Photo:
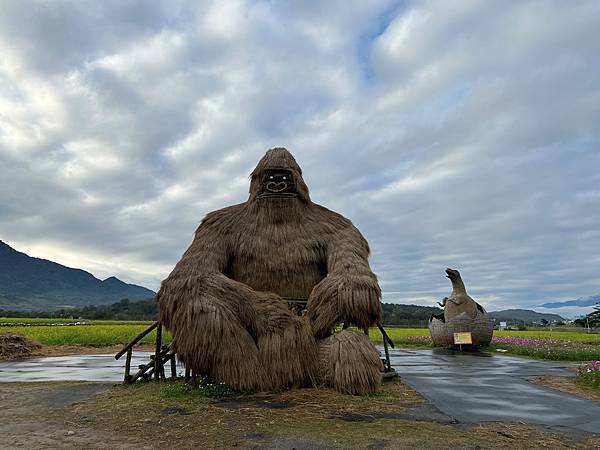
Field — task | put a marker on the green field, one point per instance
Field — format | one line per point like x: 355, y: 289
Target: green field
x: 555, y: 345
x: 42, y: 321
x: 89, y: 335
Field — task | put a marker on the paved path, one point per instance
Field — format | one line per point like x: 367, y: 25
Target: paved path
x: 467, y: 387
x: 477, y: 387
x: 70, y: 368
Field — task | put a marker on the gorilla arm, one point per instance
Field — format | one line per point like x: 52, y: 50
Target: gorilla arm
x: 349, y: 293
x: 198, y: 279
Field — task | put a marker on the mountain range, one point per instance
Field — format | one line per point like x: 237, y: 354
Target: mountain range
x: 28, y: 283
x: 581, y: 301
x: 524, y: 315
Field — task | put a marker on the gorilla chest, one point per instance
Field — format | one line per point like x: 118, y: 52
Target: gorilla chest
x: 288, y: 261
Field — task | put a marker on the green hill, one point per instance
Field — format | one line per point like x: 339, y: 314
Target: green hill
x: 524, y: 315
x: 28, y: 283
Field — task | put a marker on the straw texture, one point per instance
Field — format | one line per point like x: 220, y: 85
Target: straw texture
x: 224, y: 300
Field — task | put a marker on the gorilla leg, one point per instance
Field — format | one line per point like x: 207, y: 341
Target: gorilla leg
x: 349, y: 363
x: 247, y: 339
x: 210, y: 340
x: 287, y: 349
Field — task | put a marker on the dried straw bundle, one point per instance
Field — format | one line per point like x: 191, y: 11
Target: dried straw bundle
x: 349, y: 363
x: 14, y: 345
x: 224, y: 300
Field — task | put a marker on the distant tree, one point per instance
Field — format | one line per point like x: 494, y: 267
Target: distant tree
x: 592, y: 320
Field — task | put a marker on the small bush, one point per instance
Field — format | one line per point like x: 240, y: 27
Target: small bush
x: 589, y: 374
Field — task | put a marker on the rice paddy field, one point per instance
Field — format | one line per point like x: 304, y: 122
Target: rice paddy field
x: 28, y: 321
x: 543, y: 344
x: 94, y: 335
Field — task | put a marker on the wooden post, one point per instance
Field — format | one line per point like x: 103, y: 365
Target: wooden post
x: 387, y: 355
x: 385, y: 348
x: 128, y: 366
x: 157, y: 358
x: 173, y: 367
x: 187, y: 374
x: 385, y: 335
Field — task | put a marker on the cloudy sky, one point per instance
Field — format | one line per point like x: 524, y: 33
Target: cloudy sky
x: 455, y: 133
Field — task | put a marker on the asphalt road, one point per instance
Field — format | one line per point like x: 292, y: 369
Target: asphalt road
x: 479, y: 387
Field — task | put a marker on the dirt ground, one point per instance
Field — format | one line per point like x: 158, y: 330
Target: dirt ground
x: 148, y: 416
x: 568, y: 384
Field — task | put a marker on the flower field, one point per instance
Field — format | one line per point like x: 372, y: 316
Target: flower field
x: 553, y: 345
x: 548, y: 348
x: 589, y: 374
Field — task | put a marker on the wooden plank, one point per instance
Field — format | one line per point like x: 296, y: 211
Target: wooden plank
x: 136, y: 339
x: 173, y: 367
x: 385, y: 336
x: 157, y: 358
x: 128, y: 366
x: 387, y: 356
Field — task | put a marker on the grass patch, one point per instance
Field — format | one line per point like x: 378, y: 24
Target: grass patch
x: 405, y: 337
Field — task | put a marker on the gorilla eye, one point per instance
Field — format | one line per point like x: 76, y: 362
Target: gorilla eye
x: 271, y: 177
x: 284, y: 178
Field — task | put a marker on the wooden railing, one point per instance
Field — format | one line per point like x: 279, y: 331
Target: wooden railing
x: 156, y: 367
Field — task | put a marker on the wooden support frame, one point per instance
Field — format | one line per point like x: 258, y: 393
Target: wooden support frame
x: 156, y: 367
x: 386, y: 341
x: 157, y: 358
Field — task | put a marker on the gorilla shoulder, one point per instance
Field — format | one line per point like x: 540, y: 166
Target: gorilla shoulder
x: 332, y: 217
x: 221, y: 217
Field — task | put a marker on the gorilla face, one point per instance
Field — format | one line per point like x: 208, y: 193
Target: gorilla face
x: 278, y: 177
x: 278, y: 183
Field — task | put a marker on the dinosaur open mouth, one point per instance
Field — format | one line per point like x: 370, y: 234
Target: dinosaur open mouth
x: 451, y: 273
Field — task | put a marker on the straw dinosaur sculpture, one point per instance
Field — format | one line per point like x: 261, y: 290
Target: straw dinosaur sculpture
x: 461, y: 314
x: 225, y: 300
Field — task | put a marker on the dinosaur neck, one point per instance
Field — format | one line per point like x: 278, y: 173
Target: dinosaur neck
x: 458, y: 287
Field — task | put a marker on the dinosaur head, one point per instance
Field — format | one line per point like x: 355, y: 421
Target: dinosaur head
x: 452, y: 274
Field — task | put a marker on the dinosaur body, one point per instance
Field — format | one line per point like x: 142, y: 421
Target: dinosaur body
x: 459, y: 301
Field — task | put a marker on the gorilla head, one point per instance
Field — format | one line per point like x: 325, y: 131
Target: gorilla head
x: 278, y: 176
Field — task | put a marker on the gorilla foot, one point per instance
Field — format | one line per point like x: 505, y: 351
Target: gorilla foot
x: 349, y: 363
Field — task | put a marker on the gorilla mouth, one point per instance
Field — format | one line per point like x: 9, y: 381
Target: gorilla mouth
x: 269, y: 194
x: 276, y: 187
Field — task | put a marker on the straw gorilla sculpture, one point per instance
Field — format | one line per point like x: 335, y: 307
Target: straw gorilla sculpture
x: 225, y: 300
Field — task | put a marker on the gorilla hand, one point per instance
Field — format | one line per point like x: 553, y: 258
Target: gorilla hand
x: 352, y: 299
